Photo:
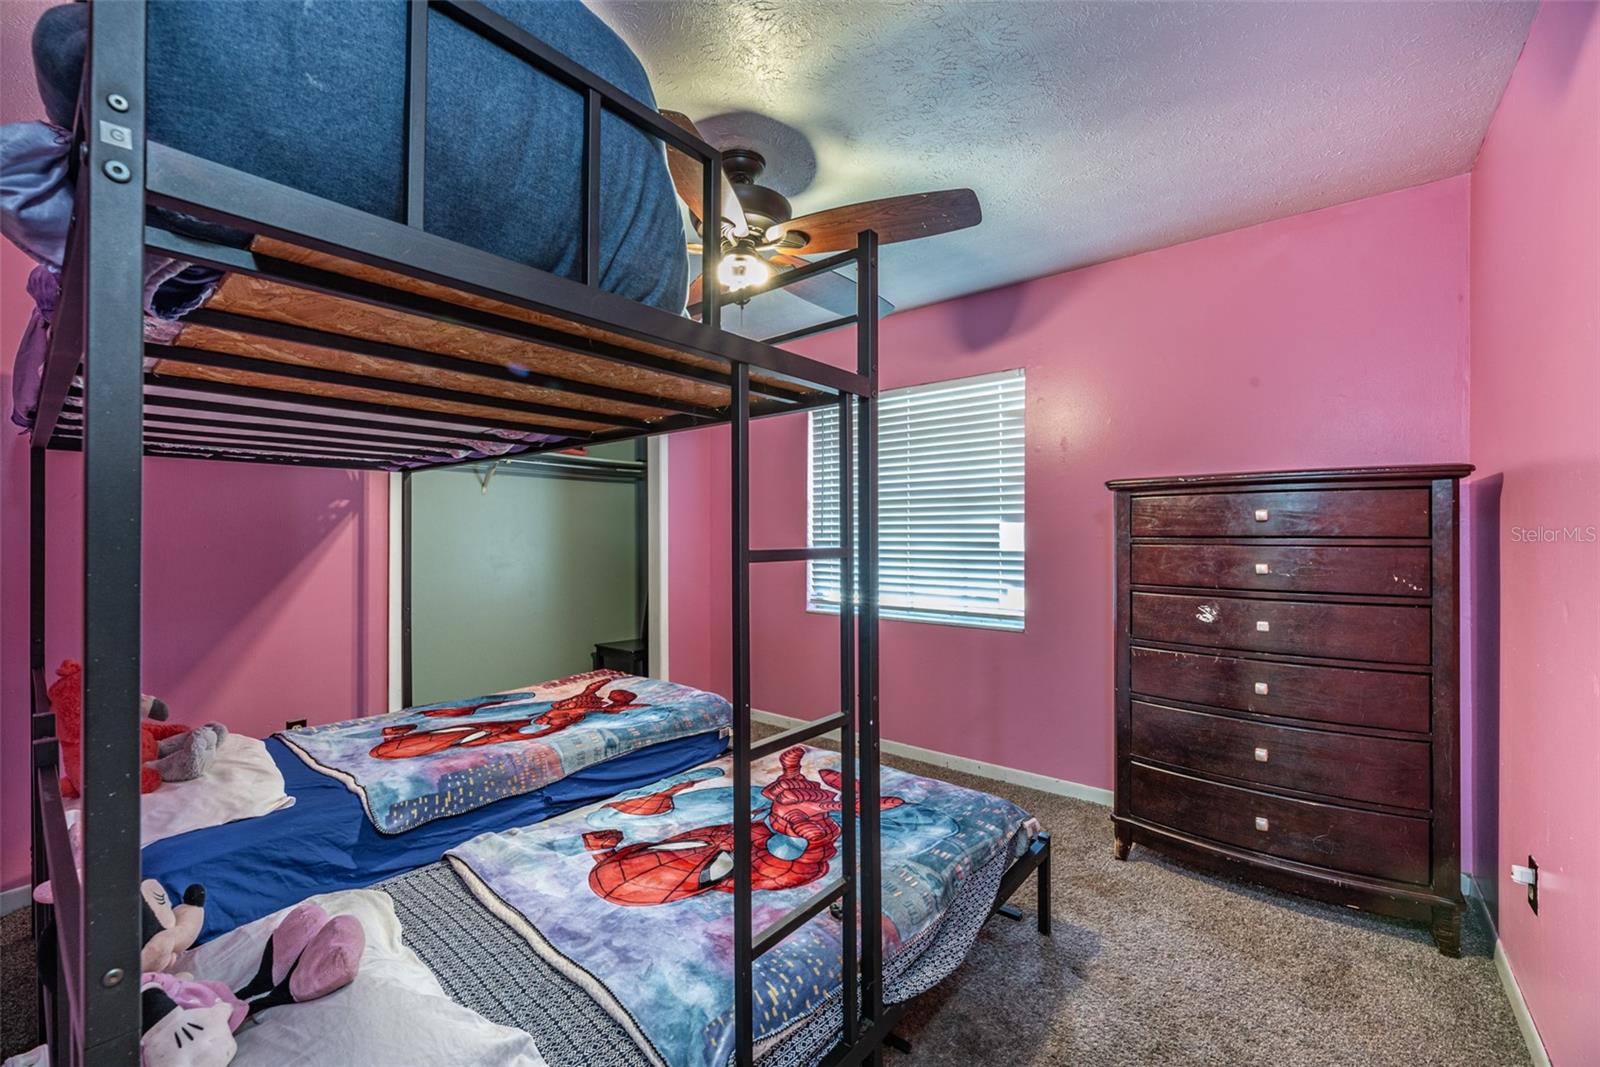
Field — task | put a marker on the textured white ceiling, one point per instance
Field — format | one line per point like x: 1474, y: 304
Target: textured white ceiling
x: 1089, y: 130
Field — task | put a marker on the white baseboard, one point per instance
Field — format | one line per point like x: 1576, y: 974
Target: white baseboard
x: 1508, y: 981
x: 16, y: 897
x: 1028, y: 779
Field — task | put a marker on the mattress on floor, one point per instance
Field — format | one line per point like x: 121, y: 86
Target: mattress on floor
x: 437, y: 760
x: 324, y: 842
x: 607, y: 932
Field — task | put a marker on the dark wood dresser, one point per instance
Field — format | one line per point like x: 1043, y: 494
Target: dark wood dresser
x: 1287, y: 684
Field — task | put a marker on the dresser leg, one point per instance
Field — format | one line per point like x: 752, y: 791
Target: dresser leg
x: 1447, y: 931
x: 1124, y: 841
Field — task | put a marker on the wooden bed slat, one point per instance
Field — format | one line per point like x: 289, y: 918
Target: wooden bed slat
x: 213, y: 340
x: 375, y: 395
x: 263, y: 299
x: 268, y: 246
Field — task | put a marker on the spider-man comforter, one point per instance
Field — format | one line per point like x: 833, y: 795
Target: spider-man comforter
x: 632, y: 898
x: 428, y: 762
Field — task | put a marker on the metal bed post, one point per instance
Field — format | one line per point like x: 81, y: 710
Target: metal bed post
x: 743, y: 934
x: 41, y: 732
x: 867, y: 634
x: 849, y: 973
x: 416, y: 200
x: 416, y: 110
x: 105, y: 934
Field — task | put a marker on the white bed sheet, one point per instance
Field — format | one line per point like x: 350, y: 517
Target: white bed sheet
x: 395, y: 1012
x: 241, y: 783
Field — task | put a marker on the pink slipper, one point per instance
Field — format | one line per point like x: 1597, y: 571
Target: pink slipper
x: 285, y: 947
x: 328, y: 964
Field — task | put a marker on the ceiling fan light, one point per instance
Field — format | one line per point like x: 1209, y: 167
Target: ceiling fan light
x: 740, y: 270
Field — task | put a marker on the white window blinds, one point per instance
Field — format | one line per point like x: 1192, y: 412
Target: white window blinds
x: 950, y: 502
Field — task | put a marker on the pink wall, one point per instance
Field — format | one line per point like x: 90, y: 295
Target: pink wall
x: 1333, y: 338
x: 265, y: 591
x: 1536, y: 440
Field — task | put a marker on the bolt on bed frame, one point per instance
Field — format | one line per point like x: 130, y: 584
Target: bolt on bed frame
x: 90, y: 1009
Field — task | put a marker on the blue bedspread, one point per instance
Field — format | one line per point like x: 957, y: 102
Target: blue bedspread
x: 437, y: 760
x: 633, y: 899
x: 325, y: 842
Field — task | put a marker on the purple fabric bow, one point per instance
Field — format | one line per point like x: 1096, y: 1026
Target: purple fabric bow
x: 44, y: 285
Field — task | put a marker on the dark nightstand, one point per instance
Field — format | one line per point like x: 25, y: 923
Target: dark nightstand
x: 631, y: 656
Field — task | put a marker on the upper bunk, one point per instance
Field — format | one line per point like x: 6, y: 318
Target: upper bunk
x: 339, y: 338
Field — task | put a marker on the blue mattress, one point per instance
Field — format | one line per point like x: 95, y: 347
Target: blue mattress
x: 312, y: 95
x: 325, y: 842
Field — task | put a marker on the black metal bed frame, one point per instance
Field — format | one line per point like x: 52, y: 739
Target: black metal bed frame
x: 90, y: 1012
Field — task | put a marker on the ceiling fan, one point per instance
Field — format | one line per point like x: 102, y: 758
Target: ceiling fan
x: 761, y: 237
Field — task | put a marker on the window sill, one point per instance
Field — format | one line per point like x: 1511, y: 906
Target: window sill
x: 964, y: 624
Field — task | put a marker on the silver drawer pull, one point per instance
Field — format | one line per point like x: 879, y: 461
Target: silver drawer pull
x: 1263, y: 626
x: 1261, y: 755
x: 1262, y: 515
x: 1263, y: 568
x: 1262, y: 824
x: 1261, y: 689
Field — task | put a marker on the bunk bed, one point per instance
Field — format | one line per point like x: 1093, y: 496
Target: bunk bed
x: 345, y: 319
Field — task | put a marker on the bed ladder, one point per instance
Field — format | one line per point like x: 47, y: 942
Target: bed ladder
x: 858, y: 893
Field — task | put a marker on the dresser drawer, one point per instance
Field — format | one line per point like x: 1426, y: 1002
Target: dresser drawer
x: 1338, y: 631
x: 1381, y: 699
x: 1377, y: 570
x: 1394, y: 847
x: 1307, y: 513
x: 1371, y: 769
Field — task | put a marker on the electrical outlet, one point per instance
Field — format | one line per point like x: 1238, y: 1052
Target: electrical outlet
x: 1528, y: 876
x: 295, y: 724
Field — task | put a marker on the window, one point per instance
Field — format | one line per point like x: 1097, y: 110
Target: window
x: 950, y: 509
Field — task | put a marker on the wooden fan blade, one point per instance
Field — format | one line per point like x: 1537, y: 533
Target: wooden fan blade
x: 688, y: 177
x: 829, y: 291
x: 895, y: 218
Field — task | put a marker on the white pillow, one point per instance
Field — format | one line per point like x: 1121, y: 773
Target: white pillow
x: 395, y: 1012
x: 241, y: 783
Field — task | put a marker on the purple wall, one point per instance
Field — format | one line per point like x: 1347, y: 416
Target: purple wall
x: 1536, y: 440
x: 1333, y: 338
x: 264, y: 591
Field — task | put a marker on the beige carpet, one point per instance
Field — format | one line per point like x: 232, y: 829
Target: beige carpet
x: 1153, y: 964
x: 1150, y: 964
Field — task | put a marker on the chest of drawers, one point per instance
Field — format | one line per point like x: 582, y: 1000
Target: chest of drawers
x: 1287, y: 682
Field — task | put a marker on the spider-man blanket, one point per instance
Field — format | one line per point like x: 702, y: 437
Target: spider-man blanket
x: 444, y: 759
x: 632, y: 898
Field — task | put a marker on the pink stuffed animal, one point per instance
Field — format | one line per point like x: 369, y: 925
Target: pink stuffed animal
x: 169, y: 930
x: 191, y: 1023
x: 188, y: 1023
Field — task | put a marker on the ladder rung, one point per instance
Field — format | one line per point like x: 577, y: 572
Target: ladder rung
x: 793, y: 555
x: 805, y: 732
x: 798, y: 917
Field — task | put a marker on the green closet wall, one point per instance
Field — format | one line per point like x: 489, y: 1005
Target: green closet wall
x: 516, y: 584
